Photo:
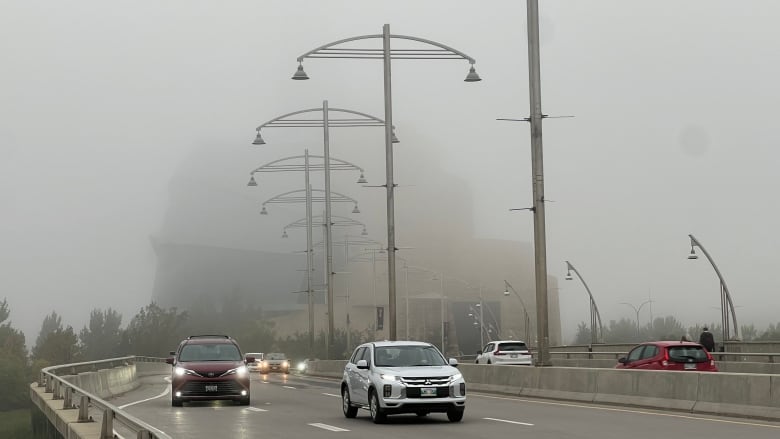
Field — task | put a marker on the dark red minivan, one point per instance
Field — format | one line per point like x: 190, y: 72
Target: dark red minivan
x: 209, y: 367
x: 668, y: 355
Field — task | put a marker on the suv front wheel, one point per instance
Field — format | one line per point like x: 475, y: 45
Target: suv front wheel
x: 350, y: 411
x: 377, y: 414
x: 455, y: 415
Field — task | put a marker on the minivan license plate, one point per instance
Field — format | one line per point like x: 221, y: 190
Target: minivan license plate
x: 428, y: 391
x: 212, y: 388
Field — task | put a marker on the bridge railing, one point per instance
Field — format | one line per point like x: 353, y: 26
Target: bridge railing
x: 55, y: 380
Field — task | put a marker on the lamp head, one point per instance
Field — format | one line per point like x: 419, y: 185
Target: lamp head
x: 362, y: 179
x: 692, y: 254
x: 263, y: 211
x: 259, y: 139
x: 506, y: 292
x: 252, y: 181
x: 568, y: 276
x: 472, y: 75
x: 356, y: 210
x: 364, y: 232
x: 300, y: 75
x: 393, y: 138
x: 284, y: 235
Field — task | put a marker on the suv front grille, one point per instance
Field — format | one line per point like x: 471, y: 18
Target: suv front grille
x: 426, y: 381
x: 198, y: 388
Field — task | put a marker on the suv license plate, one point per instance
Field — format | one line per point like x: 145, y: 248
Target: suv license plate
x: 690, y: 366
x: 428, y: 391
x: 211, y: 388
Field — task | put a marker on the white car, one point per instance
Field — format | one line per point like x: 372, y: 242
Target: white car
x: 391, y: 377
x: 505, y: 352
x: 255, y: 366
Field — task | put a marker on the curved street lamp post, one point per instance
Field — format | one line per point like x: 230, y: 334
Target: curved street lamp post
x: 342, y: 118
x: 308, y: 199
x: 386, y: 54
x: 726, y: 304
x: 526, y: 318
x: 595, y: 317
x: 636, y: 310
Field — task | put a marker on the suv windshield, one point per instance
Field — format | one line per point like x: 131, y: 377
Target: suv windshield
x: 275, y: 356
x: 407, y: 356
x: 209, y: 352
x: 687, y: 353
x: 512, y: 347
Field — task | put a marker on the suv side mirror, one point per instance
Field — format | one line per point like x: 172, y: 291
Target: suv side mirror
x: 169, y: 360
x: 479, y: 352
x: 172, y: 353
x: 453, y: 362
x: 362, y: 364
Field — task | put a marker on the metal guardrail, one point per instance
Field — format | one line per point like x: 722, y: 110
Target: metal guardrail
x: 51, y: 379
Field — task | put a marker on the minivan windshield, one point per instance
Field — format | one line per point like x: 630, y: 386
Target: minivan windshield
x: 210, y: 352
x: 407, y: 356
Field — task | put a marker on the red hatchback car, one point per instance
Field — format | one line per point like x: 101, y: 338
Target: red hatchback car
x: 668, y: 355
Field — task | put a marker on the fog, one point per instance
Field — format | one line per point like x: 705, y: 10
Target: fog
x: 119, y: 116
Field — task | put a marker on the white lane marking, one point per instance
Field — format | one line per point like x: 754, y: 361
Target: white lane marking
x: 165, y: 392
x: 509, y: 422
x: 330, y: 394
x: 289, y: 387
x: 255, y: 409
x: 610, y: 409
x: 328, y: 427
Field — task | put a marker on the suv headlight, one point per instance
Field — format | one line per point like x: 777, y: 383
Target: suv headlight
x: 389, y: 377
x: 239, y: 371
x: 456, y: 377
x: 180, y: 371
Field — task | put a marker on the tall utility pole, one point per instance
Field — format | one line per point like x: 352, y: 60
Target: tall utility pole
x: 537, y: 169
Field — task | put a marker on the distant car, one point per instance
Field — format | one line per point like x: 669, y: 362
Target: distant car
x: 275, y: 362
x: 392, y: 377
x: 669, y: 355
x: 505, y: 352
x: 209, y: 367
x: 255, y: 365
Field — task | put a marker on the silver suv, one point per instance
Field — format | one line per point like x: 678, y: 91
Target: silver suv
x: 390, y: 377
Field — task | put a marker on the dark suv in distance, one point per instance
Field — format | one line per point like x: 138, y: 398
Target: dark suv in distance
x: 209, y: 367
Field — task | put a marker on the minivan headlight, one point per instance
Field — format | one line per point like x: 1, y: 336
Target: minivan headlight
x: 239, y: 371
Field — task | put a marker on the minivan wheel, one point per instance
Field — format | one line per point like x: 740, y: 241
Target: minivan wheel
x: 455, y: 415
x: 346, y: 404
x: 176, y: 402
x: 244, y: 400
x: 377, y: 414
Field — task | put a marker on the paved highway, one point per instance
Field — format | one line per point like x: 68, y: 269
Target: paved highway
x: 303, y: 407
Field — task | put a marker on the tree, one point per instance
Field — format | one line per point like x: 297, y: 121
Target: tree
x: 14, y: 369
x: 51, y: 323
x: 60, y: 346
x: 154, y: 331
x: 583, y: 334
x: 104, y: 335
x: 622, y: 331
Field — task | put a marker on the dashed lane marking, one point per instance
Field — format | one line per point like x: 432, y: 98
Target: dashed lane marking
x: 289, y: 387
x: 509, y: 422
x: 328, y: 427
x: 255, y: 409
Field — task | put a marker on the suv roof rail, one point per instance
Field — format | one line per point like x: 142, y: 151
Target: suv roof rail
x: 208, y: 336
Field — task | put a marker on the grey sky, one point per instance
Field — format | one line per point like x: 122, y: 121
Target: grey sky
x: 103, y: 104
